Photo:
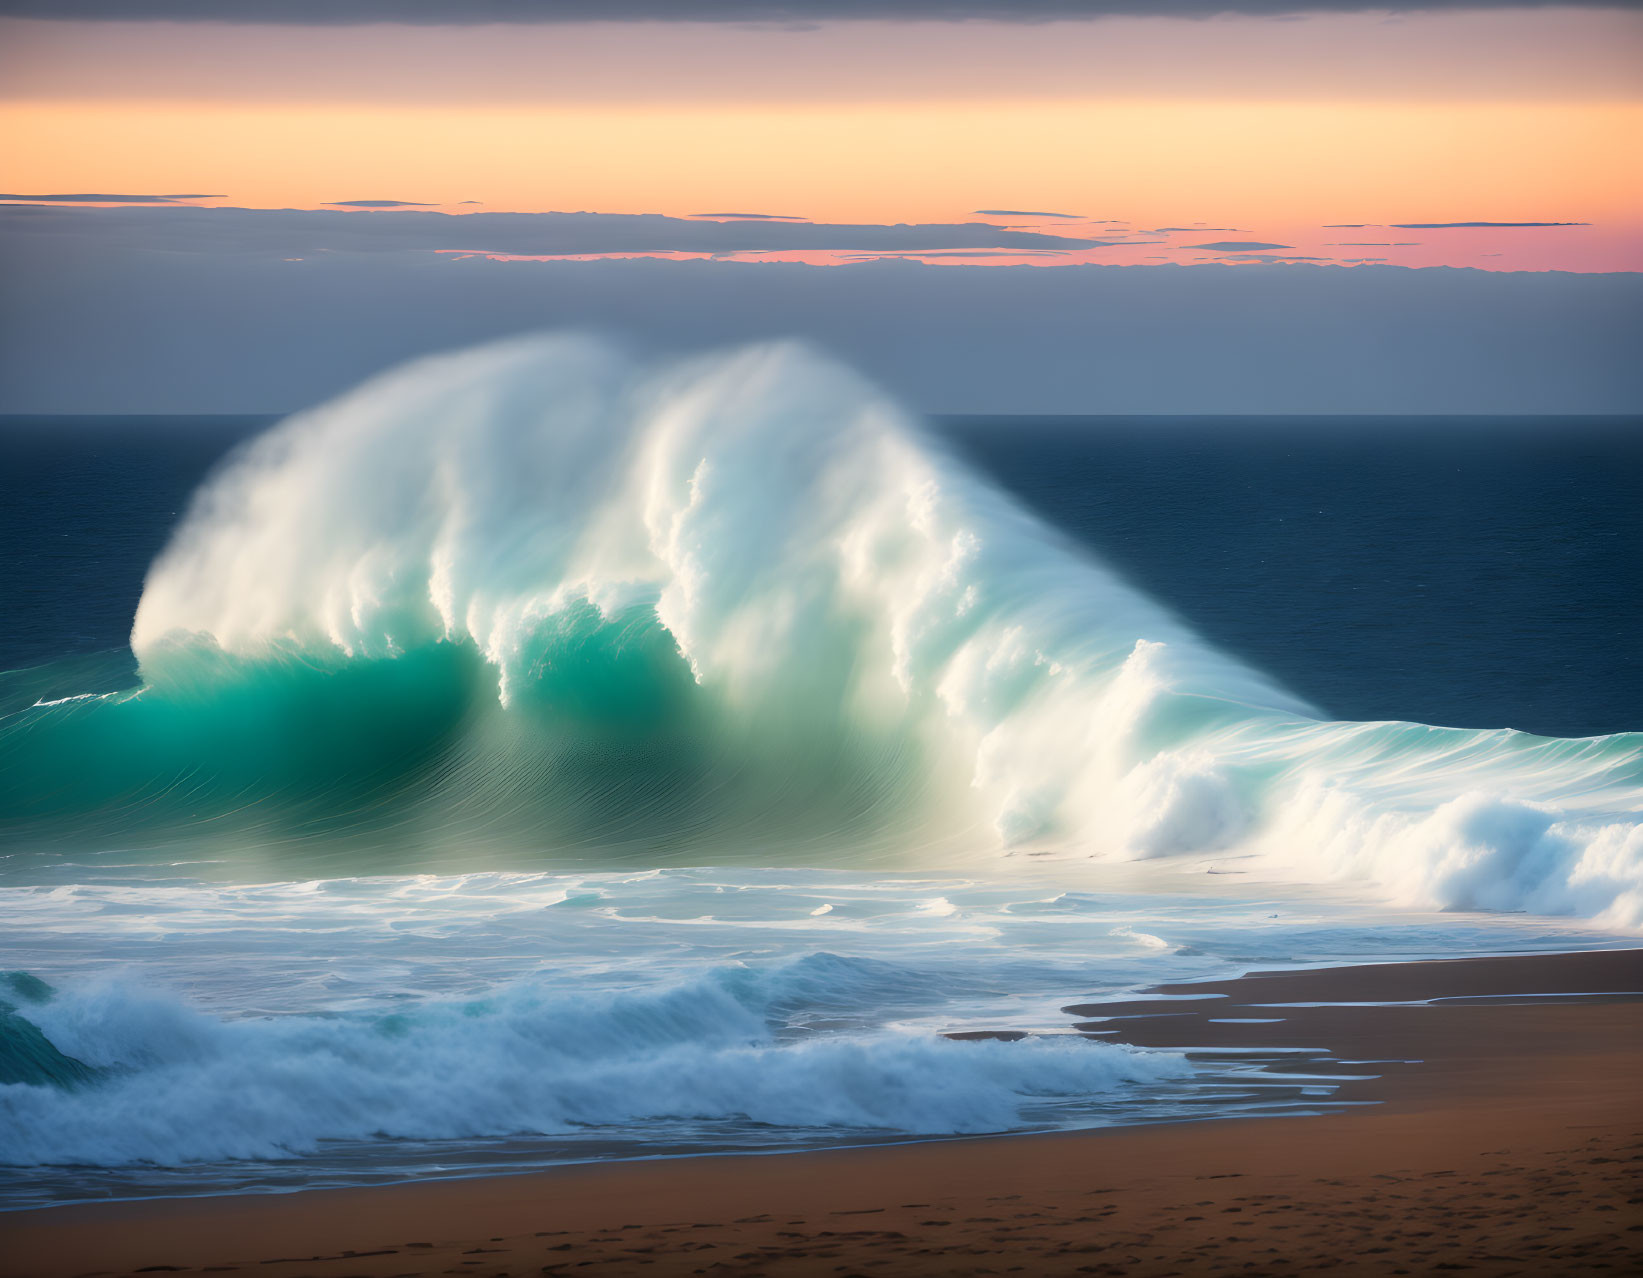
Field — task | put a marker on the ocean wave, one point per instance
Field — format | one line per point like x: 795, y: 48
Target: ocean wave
x: 541, y: 600
x: 172, y: 1085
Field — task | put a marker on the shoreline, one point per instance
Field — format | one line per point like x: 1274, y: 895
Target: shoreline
x: 1504, y: 1134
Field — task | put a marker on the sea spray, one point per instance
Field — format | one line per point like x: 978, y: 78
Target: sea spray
x: 543, y: 603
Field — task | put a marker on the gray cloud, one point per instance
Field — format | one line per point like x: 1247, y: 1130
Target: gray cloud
x: 107, y: 199
x: 1024, y: 213
x: 964, y: 253
x: 303, y: 232
x: 1457, y: 226
x: 377, y: 204
x: 1194, y: 230
x: 100, y: 328
x: 754, y: 217
x: 1235, y: 246
x: 1274, y: 259
x: 464, y: 12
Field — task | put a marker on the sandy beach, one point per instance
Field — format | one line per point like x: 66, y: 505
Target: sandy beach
x: 1505, y: 1137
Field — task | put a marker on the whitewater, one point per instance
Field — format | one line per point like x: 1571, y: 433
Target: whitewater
x: 544, y: 752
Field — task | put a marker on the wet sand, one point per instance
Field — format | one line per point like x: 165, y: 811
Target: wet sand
x: 1505, y: 1137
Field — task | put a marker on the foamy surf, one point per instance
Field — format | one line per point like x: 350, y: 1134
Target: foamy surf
x: 205, y: 1036
x: 536, y: 1060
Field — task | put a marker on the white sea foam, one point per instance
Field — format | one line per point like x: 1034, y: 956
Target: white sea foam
x: 581, y: 1015
x: 184, y: 1087
x: 840, y: 588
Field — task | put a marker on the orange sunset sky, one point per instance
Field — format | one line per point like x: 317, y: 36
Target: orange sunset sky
x: 1239, y: 130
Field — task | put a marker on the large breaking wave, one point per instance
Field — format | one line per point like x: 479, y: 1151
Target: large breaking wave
x: 540, y: 600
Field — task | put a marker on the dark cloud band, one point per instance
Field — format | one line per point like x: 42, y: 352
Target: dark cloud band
x: 752, y: 217
x: 1441, y: 226
x: 473, y: 12
x: 88, y: 198
x: 1469, y: 226
x: 287, y: 232
x: 130, y: 331
x: 1025, y: 213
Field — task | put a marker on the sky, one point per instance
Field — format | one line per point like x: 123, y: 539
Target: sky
x: 177, y: 142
